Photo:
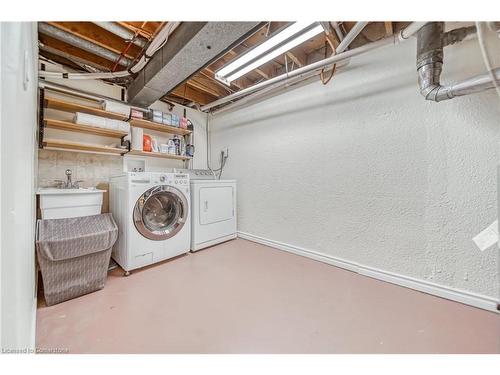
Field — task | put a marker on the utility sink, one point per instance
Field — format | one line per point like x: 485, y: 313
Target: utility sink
x: 57, y: 203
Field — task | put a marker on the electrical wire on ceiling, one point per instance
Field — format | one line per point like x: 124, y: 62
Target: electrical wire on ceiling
x: 334, y: 68
x: 157, y: 43
x: 328, y: 31
x: 130, y: 42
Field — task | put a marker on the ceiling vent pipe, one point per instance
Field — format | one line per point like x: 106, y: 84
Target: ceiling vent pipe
x: 430, y: 59
x: 52, y: 31
x: 122, y: 32
x: 431, y: 39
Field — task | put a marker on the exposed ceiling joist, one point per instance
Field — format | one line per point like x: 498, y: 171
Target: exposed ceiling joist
x: 298, y: 57
x: 389, y: 30
x: 191, y: 94
x: 146, y: 29
x: 209, y: 86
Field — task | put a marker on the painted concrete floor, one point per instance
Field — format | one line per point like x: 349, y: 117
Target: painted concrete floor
x: 242, y: 297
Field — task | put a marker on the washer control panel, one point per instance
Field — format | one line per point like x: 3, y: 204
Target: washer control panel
x: 198, y: 174
x: 174, y: 179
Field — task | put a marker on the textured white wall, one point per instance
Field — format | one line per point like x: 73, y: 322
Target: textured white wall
x: 366, y: 170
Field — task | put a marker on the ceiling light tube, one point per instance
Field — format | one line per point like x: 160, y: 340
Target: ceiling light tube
x: 277, y: 52
x: 264, y: 52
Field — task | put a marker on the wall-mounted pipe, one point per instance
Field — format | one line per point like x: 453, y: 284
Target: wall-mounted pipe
x: 469, y: 86
x: 430, y: 43
x: 393, y: 39
x: 122, y: 32
x: 45, y: 28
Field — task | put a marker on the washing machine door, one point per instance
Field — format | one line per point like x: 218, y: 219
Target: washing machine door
x: 160, y: 212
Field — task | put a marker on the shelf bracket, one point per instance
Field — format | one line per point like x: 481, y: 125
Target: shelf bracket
x: 127, y: 143
x: 41, y: 124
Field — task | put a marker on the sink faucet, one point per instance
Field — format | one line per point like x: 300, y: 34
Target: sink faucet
x: 69, y: 184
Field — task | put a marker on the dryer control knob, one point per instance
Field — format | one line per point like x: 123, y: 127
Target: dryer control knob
x: 162, y: 178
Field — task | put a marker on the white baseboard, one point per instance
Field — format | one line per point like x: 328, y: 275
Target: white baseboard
x: 462, y: 296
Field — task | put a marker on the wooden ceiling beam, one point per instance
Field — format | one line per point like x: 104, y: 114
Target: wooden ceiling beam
x: 94, y: 34
x: 147, y: 31
x: 191, y: 94
x: 389, y: 30
x: 201, y: 83
x: 330, y: 35
x: 74, y: 51
x: 298, y: 57
x: 149, y: 26
x: 204, y: 74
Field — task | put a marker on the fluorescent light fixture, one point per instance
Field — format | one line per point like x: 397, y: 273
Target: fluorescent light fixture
x: 278, y: 44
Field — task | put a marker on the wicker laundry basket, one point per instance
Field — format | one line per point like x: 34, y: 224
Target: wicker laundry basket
x: 74, y: 254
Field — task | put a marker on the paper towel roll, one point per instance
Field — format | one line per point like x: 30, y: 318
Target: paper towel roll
x: 137, y: 139
x: 89, y: 120
x: 115, y: 107
x: 117, y: 125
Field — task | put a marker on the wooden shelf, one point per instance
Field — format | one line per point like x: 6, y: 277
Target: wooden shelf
x: 60, y: 144
x: 65, y: 106
x: 69, y: 126
x: 145, y: 124
x: 158, y: 155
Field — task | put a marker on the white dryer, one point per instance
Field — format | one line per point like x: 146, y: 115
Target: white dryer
x: 152, y: 211
x: 213, y: 209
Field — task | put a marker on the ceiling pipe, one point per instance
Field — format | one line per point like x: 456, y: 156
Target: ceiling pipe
x: 393, y: 39
x: 337, y: 29
x: 122, y: 32
x: 76, y: 60
x: 277, y: 87
x: 351, y: 35
x: 45, y: 28
x: 158, y: 42
x: 471, y: 85
x: 411, y: 29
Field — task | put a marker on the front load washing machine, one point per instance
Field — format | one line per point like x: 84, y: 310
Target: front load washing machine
x: 152, y: 211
